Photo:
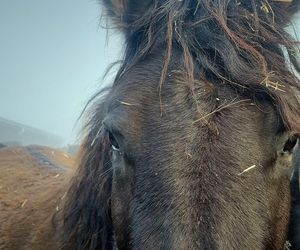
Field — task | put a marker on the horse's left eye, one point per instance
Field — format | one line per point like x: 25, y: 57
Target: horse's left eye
x: 290, y: 144
x: 113, y: 142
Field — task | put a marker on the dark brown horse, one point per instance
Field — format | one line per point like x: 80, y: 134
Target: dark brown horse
x: 191, y: 147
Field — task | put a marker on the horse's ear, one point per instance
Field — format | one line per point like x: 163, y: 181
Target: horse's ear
x: 284, y: 10
x: 125, y: 12
x: 87, y: 211
x: 292, y: 7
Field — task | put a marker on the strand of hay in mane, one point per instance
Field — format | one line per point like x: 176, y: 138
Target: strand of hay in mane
x: 232, y: 103
x: 247, y: 169
x: 96, y: 136
x: 127, y: 103
x: 273, y: 84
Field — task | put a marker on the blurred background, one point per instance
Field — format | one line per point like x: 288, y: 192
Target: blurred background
x: 53, y: 55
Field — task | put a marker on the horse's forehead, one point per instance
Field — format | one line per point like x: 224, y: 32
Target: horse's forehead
x: 136, y: 90
x: 141, y: 104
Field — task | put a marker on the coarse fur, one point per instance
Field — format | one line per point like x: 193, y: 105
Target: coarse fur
x: 191, y: 147
x: 33, y: 183
x: 294, y: 227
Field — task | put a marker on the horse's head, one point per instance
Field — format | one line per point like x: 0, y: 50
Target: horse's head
x: 191, y: 147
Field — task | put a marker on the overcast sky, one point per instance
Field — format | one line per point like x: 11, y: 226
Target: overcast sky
x: 52, y: 57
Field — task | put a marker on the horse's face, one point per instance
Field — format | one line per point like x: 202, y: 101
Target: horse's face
x: 180, y: 178
x: 191, y: 148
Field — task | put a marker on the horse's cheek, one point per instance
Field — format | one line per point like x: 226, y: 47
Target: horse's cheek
x: 121, y: 195
x: 281, y: 214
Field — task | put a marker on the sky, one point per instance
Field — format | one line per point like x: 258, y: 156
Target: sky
x: 53, y: 55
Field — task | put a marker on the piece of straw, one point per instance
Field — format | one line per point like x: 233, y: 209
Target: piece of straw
x: 247, y: 169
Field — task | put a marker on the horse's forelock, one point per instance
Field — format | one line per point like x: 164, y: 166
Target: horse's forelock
x: 242, y: 43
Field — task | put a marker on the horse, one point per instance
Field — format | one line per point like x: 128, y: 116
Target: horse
x: 192, y: 145
x: 294, y: 227
x: 32, y: 185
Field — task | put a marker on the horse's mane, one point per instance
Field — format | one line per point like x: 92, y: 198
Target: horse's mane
x: 243, y: 43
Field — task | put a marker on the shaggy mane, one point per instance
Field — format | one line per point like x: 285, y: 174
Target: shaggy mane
x: 239, y: 42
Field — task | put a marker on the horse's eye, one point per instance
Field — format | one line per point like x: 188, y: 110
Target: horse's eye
x: 290, y: 145
x: 113, y: 142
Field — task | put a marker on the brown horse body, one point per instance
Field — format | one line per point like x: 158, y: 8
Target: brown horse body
x: 32, y: 184
x: 191, y: 147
